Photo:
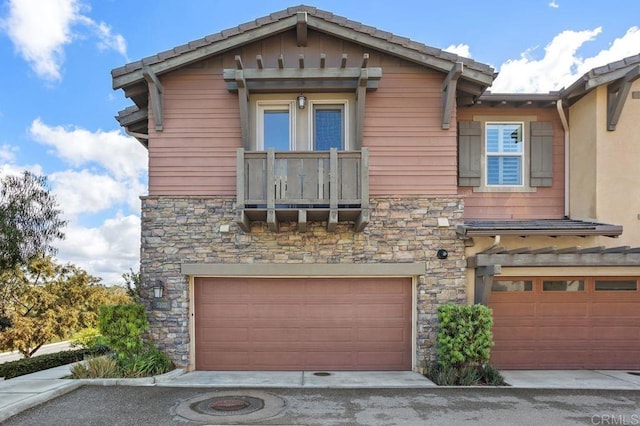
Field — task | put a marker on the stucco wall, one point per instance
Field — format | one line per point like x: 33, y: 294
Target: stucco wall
x: 604, y: 165
x: 178, y: 230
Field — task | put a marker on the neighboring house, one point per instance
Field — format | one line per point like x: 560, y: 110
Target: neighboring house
x: 318, y: 187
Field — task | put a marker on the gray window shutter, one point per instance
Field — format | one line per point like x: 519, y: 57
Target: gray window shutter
x: 541, y: 163
x: 469, y: 153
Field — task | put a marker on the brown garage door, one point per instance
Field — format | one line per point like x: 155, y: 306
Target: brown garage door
x: 303, y: 324
x: 560, y: 323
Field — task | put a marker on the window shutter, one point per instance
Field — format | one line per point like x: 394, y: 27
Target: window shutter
x: 469, y: 153
x: 541, y: 153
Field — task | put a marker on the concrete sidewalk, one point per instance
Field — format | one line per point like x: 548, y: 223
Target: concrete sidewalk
x: 24, y: 392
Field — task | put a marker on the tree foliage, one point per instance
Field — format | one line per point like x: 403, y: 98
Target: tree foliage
x: 132, y: 284
x: 44, y: 301
x: 29, y: 219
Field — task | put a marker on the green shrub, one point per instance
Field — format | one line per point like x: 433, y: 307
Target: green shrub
x: 464, y: 335
x: 12, y: 369
x: 122, y: 327
x: 87, y: 338
x: 149, y: 362
x: 470, y: 375
x: 96, y: 368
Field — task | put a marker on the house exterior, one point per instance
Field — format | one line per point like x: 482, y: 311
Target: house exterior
x: 318, y: 187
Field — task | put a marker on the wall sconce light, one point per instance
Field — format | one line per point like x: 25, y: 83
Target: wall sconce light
x: 442, y: 254
x: 301, y: 101
x: 158, y: 289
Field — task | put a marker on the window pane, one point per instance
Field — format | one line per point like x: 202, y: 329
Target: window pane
x: 614, y: 285
x: 328, y: 128
x: 504, y: 170
x: 571, y: 285
x: 504, y: 138
x: 512, y: 286
x: 276, y: 130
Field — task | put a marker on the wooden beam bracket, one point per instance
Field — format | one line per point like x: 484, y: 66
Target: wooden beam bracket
x: 301, y: 28
x: 156, y: 91
x: 449, y: 93
x: 617, y: 93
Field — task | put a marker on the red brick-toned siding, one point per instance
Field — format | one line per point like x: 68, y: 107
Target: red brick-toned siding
x: 410, y: 154
x: 545, y: 203
x: 195, y: 153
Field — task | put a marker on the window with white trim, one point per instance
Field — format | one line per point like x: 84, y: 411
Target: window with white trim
x: 275, y: 125
x: 323, y: 124
x: 504, y: 153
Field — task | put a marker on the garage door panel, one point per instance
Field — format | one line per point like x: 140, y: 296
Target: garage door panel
x: 514, y: 310
x: 617, y: 309
x: 564, y: 309
x: 381, y: 334
x: 562, y: 333
x: 304, y: 324
x: 333, y: 334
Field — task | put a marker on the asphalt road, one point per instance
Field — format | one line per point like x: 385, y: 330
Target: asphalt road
x: 117, y: 405
x: 46, y: 349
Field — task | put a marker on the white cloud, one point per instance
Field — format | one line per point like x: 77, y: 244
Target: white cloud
x: 7, y: 154
x: 554, y: 4
x: 561, y: 64
x: 460, y: 49
x: 86, y: 192
x: 40, y: 29
x: 106, y: 251
x: 121, y: 155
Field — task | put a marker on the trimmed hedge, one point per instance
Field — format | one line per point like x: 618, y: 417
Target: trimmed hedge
x: 464, y: 335
x: 12, y: 369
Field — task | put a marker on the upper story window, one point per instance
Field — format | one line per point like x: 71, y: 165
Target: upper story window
x: 323, y: 124
x: 275, y: 126
x: 504, y: 153
x: 328, y: 126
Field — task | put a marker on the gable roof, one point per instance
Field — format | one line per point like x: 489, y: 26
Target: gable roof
x: 606, y: 74
x: 317, y: 19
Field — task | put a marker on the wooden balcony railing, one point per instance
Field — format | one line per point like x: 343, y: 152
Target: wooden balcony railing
x: 302, y: 186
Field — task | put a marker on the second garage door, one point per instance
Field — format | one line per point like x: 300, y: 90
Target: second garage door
x: 303, y: 324
x: 560, y: 323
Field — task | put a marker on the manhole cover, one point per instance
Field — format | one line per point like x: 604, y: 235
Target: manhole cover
x: 230, y: 407
x: 322, y: 374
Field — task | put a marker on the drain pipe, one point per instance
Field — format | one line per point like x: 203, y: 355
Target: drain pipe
x: 565, y: 126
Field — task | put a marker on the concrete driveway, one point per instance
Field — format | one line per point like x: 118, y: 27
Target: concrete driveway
x: 116, y: 405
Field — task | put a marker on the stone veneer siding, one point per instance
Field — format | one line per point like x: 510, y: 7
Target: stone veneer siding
x: 178, y: 230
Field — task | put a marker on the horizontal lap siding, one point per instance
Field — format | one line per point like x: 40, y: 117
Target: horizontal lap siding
x: 195, y: 154
x: 545, y: 203
x: 409, y: 153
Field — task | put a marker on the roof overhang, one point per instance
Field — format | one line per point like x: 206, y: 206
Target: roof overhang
x: 518, y: 100
x: 539, y: 227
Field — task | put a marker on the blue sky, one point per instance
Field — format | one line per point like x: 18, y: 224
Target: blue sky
x: 57, y: 105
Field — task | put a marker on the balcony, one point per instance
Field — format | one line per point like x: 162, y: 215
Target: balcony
x: 303, y: 186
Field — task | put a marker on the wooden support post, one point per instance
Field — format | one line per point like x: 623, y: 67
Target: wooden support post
x: 301, y: 61
x: 362, y: 221
x: 484, y: 282
x: 364, y: 178
x: 323, y: 59
x: 243, y: 104
x: 333, y: 190
x: 361, y: 95
x: 272, y: 220
x: 259, y: 62
x: 365, y: 60
x: 281, y: 61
